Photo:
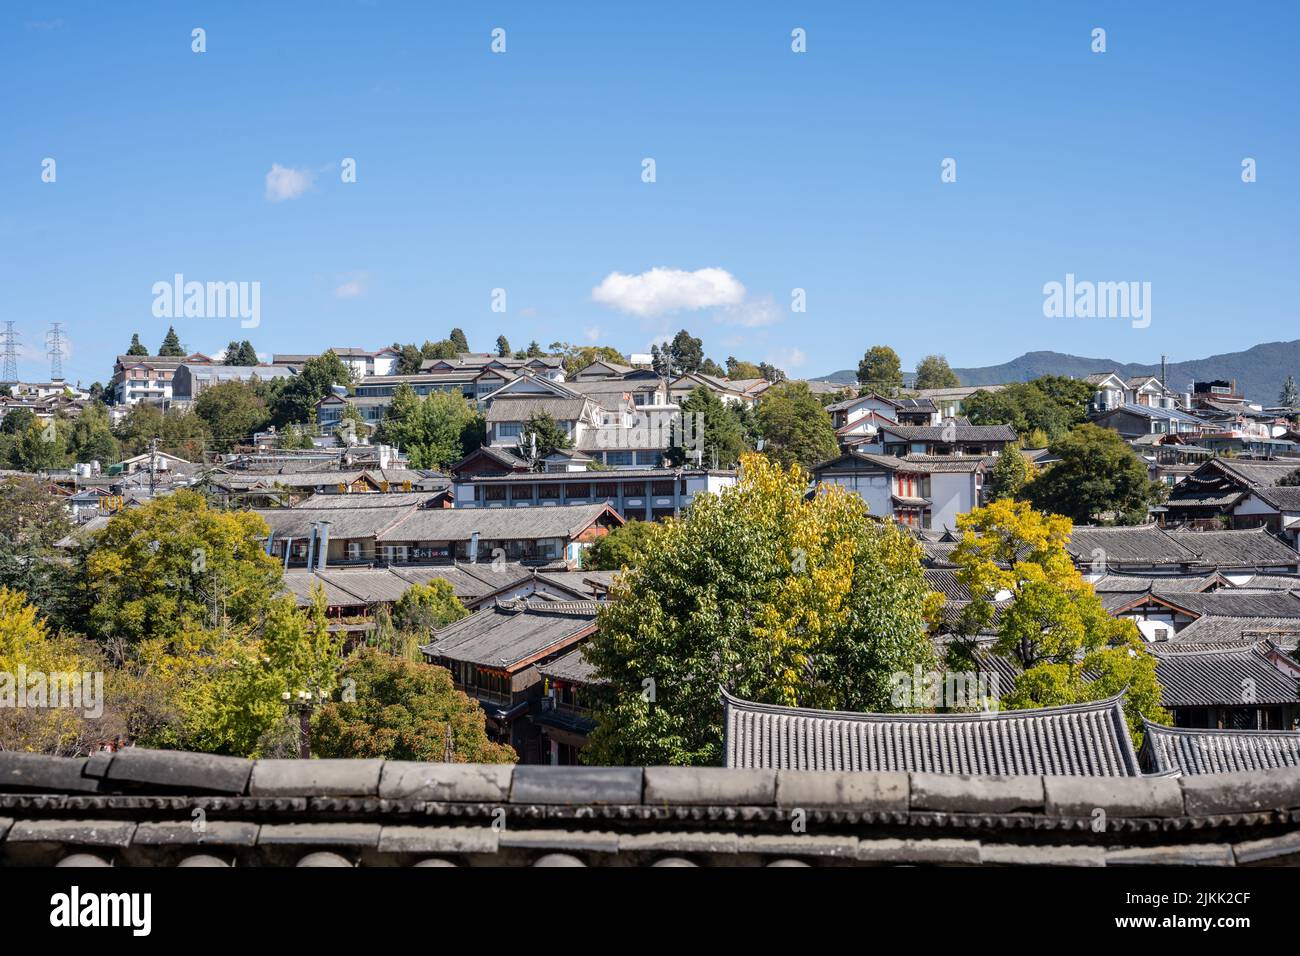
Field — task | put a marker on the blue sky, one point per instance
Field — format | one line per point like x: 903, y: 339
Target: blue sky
x: 523, y: 171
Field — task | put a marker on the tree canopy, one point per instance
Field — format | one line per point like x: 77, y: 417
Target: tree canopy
x: 777, y: 597
x: 794, y: 426
x: 1098, y: 478
x: 933, y: 371
x: 1054, y: 627
x: 403, y: 710
x: 880, y: 371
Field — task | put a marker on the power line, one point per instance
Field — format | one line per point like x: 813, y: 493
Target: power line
x: 10, y: 371
x: 54, y: 339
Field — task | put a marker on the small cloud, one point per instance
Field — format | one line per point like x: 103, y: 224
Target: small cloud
x: 752, y: 313
x: 353, y: 288
x: 593, y: 333
x: 660, y: 291
x: 284, y: 182
x: 787, y: 358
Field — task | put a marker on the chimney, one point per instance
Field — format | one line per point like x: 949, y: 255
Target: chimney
x: 323, y: 546
x: 311, y: 545
x: 473, y: 548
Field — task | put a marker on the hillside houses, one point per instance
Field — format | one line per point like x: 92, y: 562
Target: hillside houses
x: 920, y: 491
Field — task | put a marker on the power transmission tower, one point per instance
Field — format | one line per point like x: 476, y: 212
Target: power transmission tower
x: 54, y: 340
x: 10, y: 353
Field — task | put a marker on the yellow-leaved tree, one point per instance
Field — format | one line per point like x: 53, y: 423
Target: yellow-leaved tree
x: 774, y: 594
x: 1049, y: 621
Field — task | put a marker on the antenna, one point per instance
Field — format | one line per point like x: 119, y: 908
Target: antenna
x: 54, y: 339
x: 9, y: 376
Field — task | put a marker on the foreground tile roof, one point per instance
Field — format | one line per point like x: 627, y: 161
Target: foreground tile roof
x: 1199, y: 751
x: 161, y: 808
x: 1079, y: 740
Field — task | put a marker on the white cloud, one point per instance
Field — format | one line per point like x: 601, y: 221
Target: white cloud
x: 284, y: 182
x: 787, y: 358
x: 660, y: 291
x: 593, y: 333
x: 752, y: 313
x: 353, y: 288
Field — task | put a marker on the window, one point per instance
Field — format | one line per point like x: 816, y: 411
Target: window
x: 577, y: 491
x: 618, y: 458
x: 521, y: 493
x: 662, y: 488
x: 605, y: 489
x: 549, y: 492
x: 494, y: 493
x: 509, y: 429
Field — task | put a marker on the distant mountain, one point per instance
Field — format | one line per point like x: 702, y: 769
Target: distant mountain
x: 1259, y: 371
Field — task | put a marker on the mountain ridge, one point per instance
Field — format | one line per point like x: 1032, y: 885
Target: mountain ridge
x: 1259, y: 371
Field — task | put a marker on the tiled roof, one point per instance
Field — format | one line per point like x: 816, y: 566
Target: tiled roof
x: 949, y: 433
x: 1136, y: 544
x: 1195, y: 676
x: 1192, y: 751
x: 1079, y: 740
x: 573, y: 667
x: 510, y: 633
x: 1245, y: 547
x: 1237, y: 603
x: 1214, y: 628
x: 1115, y: 582
x: 511, y: 408
x: 496, y: 524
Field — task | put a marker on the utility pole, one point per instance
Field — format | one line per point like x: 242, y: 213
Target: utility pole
x: 153, y: 466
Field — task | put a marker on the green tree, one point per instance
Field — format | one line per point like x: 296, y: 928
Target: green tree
x: 172, y: 564
x: 296, y: 404
x: 240, y: 353
x: 578, y: 357
x: 737, y: 368
x: 435, y: 432
x: 1011, y: 472
x: 41, y: 446
x: 352, y: 426
x: 232, y: 412
x: 403, y: 710
x: 91, y: 437
x: 776, y: 596
x: 171, y: 345
x: 1052, y: 404
x: 708, y: 425
x: 1097, y: 478
x: 542, y: 436
x: 424, y: 608
x: 503, y: 347
x: 534, y: 350
x: 1054, y: 627
x: 178, y: 433
x: 31, y: 521
x: 880, y: 371
x: 795, y: 426
x: 457, y: 338
x: 710, y: 367
x: 1289, y: 397
x: 135, y: 348
x: 621, y: 547
x: 933, y: 371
